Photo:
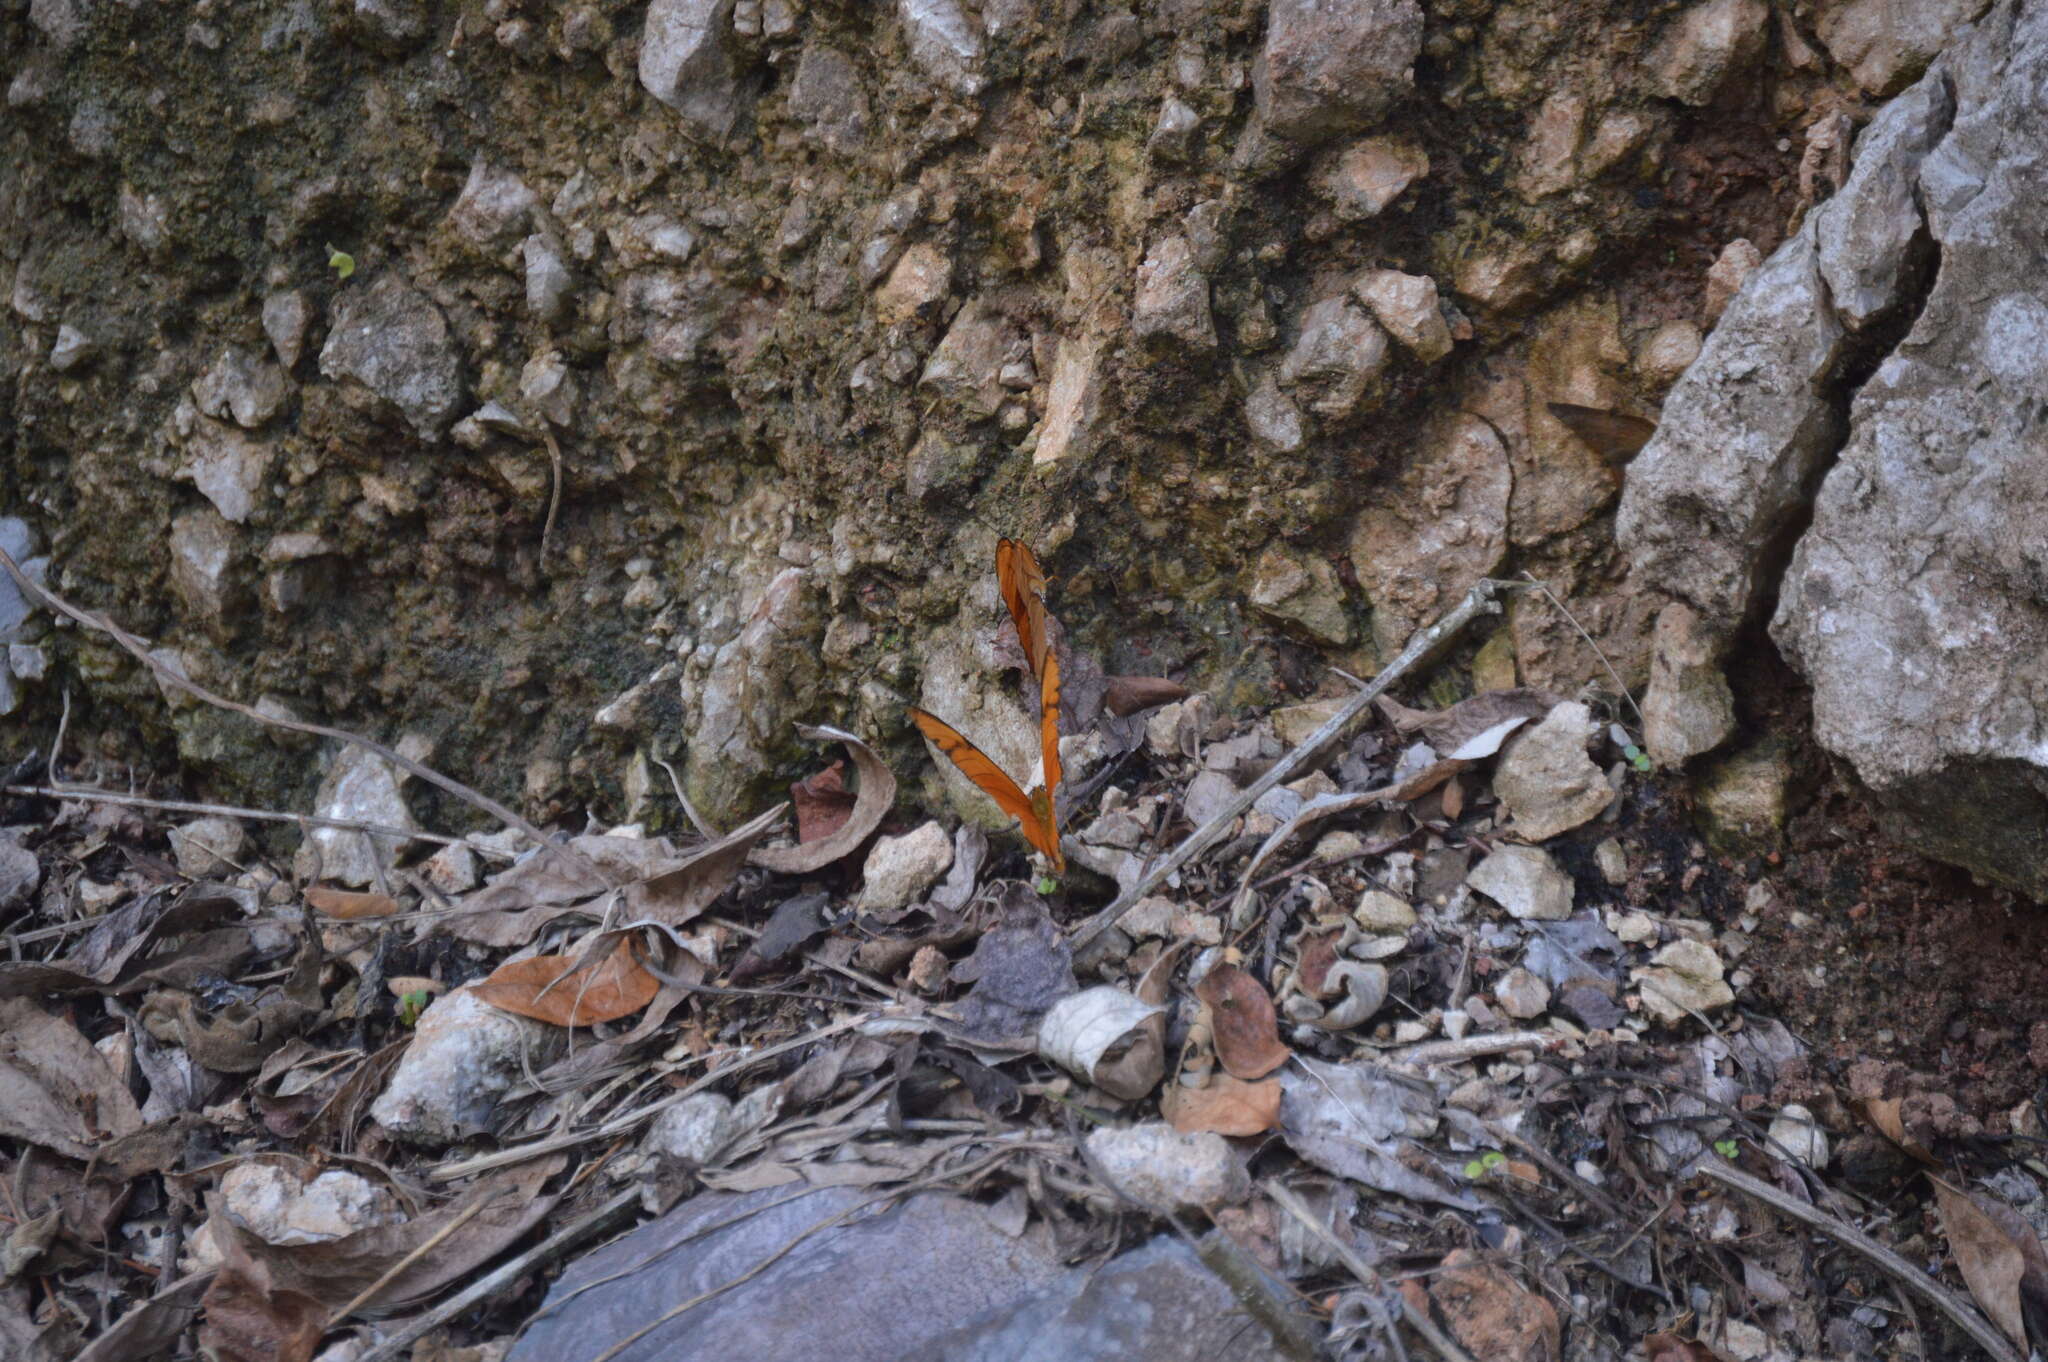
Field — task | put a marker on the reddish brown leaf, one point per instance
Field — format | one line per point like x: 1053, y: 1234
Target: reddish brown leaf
x: 1226, y: 1106
x: 348, y: 905
x: 1318, y: 955
x: 551, y: 988
x: 246, y: 1324
x: 877, y: 793
x: 1129, y: 694
x: 1492, y: 1314
x: 1989, y: 1258
x: 1241, y: 1016
x: 823, y: 803
x: 1672, y: 1348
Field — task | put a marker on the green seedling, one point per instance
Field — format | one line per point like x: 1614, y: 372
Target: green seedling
x: 410, y: 1005
x: 1727, y: 1149
x: 1485, y: 1163
x: 341, y: 262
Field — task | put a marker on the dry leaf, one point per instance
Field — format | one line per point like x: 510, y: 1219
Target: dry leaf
x: 1082, y: 1028
x: 553, y: 988
x: 1989, y: 1259
x: 678, y: 893
x: 1242, y: 1020
x: 1614, y: 436
x: 245, y: 1323
x: 1127, y: 695
x: 1672, y: 1348
x: 56, y: 1090
x: 823, y: 803
x: 1885, y: 1115
x: 153, y: 1327
x: 1226, y: 1106
x: 877, y: 793
x: 1447, y: 730
x: 349, y: 905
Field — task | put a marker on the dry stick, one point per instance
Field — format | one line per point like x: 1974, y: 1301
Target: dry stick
x: 95, y: 796
x: 547, y: 530
x: 1960, y: 1312
x: 502, y: 1277
x: 432, y: 1242
x: 1368, y: 1277
x: 134, y: 646
x: 1479, y: 600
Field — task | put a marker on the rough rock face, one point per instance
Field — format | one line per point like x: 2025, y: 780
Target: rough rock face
x: 1914, y: 602
x: 500, y: 368
x: 1918, y: 602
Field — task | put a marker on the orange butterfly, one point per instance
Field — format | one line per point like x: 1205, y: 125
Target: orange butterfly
x: 1018, y: 573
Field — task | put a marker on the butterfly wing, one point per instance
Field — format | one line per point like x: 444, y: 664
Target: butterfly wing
x: 1023, y: 586
x: 977, y: 766
x: 1614, y: 436
x: 1049, y: 746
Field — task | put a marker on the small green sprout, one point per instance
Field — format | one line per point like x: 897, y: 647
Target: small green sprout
x: 1047, y: 884
x: 1727, y: 1149
x: 341, y: 262
x: 1485, y: 1163
x: 1636, y: 757
x: 410, y: 1005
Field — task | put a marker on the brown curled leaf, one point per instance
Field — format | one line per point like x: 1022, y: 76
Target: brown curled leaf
x: 1242, y: 1019
x: 871, y: 805
x: 349, y: 905
x: 1127, y: 695
x: 1226, y: 1106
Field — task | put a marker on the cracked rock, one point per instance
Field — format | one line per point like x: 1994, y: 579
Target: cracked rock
x: 1331, y: 66
x: 1526, y: 882
x: 391, y: 339
x: 900, y: 869
x: 688, y: 62
x: 464, y: 1055
x: 1173, y: 297
x: 1688, y: 708
x: 1684, y: 977
x: 1547, y: 781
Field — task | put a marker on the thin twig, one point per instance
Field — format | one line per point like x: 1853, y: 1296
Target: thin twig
x: 88, y: 794
x: 134, y: 646
x: 1472, y: 1047
x: 1532, y: 580
x: 1959, y: 1311
x: 554, y: 496
x: 555, y: 1245
x: 1368, y: 1276
x: 1479, y: 600
x: 432, y: 1242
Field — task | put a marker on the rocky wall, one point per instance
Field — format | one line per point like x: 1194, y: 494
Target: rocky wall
x: 571, y: 386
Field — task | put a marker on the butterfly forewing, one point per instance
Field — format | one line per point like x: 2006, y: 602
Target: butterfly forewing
x: 1023, y: 586
x: 977, y: 766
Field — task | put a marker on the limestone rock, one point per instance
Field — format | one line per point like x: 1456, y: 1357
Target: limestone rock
x: 1887, y: 45
x: 1741, y: 436
x: 757, y: 685
x: 1173, y: 298
x: 1406, y: 305
x: 1576, y: 356
x: 1744, y: 798
x: 826, y: 94
x: 922, y: 276
x: 1688, y: 708
x: 241, y: 386
x: 202, y: 554
x: 945, y: 42
x: 548, y: 279
x: 229, y: 468
x: 1547, y: 161
x: 1668, y: 352
x: 1164, y: 1170
x: 1303, y: 591
x: 1177, y: 133
x: 966, y: 368
x: 1705, y: 46
x: 900, y: 869
x: 1331, y: 66
x: 208, y: 846
x: 693, y: 1130
x: 1442, y: 527
x: 1522, y: 995
x: 1525, y: 881
x: 1337, y: 359
x: 20, y: 872
x: 279, y: 1207
x: 1362, y: 179
x: 688, y: 62
x: 1726, y: 276
x: 1547, y: 781
x: 1274, y: 420
x: 390, y: 338
x: 71, y: 349
x: 1379, y: 911
x: 360, y: 787
x: 1865, y: 233
x: 1684, y: 977
x: 286, y: 315
x: 464, y: 1055
x: 493, y: 208
x: 1073, y: 402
